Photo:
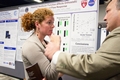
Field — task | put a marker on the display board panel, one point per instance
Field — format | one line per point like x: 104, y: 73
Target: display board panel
x: 76, y: 22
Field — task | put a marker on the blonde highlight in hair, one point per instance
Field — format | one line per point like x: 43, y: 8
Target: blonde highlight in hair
x: 28, y: 19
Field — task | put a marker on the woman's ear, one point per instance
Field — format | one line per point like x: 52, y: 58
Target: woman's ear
x: 37, y: 24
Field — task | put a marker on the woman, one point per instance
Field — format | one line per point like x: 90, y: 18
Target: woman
x: 42, y: 24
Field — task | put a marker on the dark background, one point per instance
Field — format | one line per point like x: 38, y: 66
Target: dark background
x: 10, y: 3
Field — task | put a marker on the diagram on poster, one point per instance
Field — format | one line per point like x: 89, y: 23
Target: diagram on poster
x: 83, y: 33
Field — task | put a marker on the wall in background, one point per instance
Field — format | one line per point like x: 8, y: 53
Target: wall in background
x: 101, y: 12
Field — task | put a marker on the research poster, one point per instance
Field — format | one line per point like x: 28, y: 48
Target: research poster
x: 8, y: 38
x: 76, y: 21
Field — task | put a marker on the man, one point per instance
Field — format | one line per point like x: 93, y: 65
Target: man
x: 104, y: 64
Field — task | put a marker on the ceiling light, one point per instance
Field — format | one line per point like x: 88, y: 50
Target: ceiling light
x: 39, y: 1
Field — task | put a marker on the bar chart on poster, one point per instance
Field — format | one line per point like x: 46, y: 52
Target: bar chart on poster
x: 62, y: 24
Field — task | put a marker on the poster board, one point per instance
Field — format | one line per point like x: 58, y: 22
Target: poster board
x: 8, y: 44
x: 76, y: 22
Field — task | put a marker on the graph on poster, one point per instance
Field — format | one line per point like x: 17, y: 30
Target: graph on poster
x: 84, y: 28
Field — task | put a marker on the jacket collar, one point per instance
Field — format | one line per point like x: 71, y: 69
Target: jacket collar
x: 35, y: 39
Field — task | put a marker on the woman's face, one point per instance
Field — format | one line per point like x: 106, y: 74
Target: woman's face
x: 46, y: 27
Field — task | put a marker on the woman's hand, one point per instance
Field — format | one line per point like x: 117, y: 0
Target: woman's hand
x: 53, y: 46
